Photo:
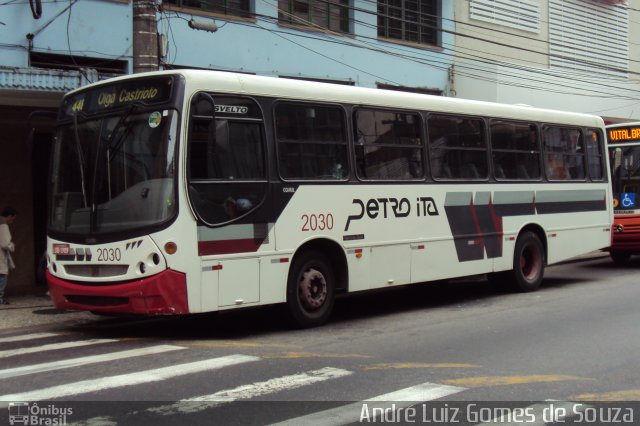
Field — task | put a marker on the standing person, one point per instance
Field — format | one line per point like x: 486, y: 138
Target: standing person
x: 7, y: 247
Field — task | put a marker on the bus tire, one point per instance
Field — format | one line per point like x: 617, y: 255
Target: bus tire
x: 528, y: 263
x: 310, y: 289
x: 621, y: 258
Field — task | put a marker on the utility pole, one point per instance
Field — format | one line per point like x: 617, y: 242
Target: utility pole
x: 145, y: 36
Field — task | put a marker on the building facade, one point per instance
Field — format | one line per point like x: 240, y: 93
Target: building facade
x: 573, y: 55
x: 49, y: 48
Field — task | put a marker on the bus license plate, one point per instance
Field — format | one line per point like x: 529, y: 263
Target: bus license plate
x: 61, y: 249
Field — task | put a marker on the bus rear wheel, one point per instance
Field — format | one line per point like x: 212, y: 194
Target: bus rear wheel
x: 528, y: 263
x: 310, y: 289
x: 528, y: 266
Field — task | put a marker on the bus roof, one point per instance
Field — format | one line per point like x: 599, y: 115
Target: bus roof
x: 286, y: 88
x: 629, y: 124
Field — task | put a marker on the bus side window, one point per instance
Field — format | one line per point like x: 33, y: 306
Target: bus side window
x: 311, y: 141
x: 515, y: 150
x: 564, y: 153
x: 595, y: 156
x: 388, y: 145
x: 457, y: 148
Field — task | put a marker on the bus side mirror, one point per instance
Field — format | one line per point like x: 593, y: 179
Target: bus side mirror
x: 617, y: 157
x: 203, y: 109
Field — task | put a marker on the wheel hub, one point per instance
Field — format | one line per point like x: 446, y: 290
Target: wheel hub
x: 312, y: 289
x: 529, y: 264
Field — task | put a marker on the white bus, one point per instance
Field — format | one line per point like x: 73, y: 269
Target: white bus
x: 194, y: 191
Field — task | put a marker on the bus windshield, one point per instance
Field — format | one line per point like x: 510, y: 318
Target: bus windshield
x: 626, y: 175
x: 114, y: 173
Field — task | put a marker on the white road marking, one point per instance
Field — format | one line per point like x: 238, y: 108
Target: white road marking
x: 76, y: 362
x: 294, y: 381
x: 32, y: 336
x: 122, y: 380
x: 352, y: 413
x: 53, y: 346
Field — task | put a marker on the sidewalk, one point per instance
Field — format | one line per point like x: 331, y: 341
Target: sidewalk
x: 30, y: 310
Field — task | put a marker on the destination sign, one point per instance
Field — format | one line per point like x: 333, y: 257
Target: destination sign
x: 624, y: 134
x: 99, y: 99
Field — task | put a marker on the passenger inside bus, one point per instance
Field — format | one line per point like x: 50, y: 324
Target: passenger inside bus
x: 237, y: 207
x: 556, y: 169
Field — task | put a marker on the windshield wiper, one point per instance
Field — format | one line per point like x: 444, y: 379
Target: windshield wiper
x: 113, y: 148
x: 80, y: 158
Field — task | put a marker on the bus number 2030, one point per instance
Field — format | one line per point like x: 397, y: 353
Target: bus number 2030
x: 106, y: 255
x: 317, y: 222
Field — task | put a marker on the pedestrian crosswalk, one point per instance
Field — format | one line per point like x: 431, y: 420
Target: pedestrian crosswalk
x: 32, y: 336
x: 397, y: 400
x: 52, y: 346
x: 131, y: 379
x: 107, y: 358
x: 248, y: 391
x: 86, y: 360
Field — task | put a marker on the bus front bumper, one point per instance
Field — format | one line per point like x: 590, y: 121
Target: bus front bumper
x: 162, y: 294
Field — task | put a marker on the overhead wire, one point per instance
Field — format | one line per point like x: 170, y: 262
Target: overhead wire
x: 71, y: 56
x: 444, y: 65
x: 377, y: 48
x: 427, y: 58
x: 312, y: 25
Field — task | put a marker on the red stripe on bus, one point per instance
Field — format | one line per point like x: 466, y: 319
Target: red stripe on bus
x: 163, y: 293
x: 247, y: 245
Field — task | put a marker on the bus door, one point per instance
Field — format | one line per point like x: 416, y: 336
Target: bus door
x: 228, y: 191
x: 626, y: 177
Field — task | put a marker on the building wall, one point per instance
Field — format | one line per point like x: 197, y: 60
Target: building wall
x: 96, y: 28
x: 102, y: 30
x: 268, y: 48
x: 513, y: 66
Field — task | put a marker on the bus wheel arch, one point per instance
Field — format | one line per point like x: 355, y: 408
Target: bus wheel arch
x: 317, y: 273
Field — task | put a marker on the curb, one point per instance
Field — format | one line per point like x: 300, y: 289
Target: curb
x: 35, y: 310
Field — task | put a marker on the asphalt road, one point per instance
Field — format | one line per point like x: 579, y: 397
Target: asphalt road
x: 464, y: 342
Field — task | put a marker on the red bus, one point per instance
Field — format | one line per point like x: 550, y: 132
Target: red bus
x: 624, y: 150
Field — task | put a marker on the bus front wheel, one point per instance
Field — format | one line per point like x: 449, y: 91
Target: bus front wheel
x: 310, y: 289
x: 620, y: 257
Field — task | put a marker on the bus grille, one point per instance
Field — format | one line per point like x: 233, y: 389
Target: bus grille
x: 97, y: 300
x: 96, y: 270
